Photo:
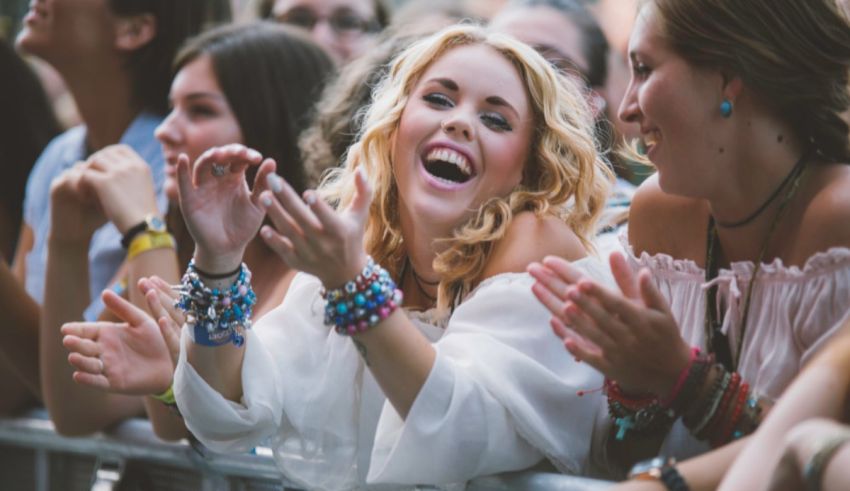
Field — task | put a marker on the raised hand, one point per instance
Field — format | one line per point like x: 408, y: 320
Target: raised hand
x: 74, y: 207
x: 220, y: 210
x: 312, y: 237
x: 630, y: 335
x: 123, y: 185
x: 160, y: 298
x: 129, y: 357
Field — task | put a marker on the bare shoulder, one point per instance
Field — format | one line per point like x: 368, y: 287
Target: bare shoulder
x: 827, y: 214
x: 664, y: 223
x: 530, y: 238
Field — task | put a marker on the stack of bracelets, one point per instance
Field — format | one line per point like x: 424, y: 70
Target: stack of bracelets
x: 724, y: 412
x: 362, y: 302
x: 215, y: 316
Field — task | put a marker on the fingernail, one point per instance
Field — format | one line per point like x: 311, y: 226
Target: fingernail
x: 253, y: 154
x: 574, y: 294
x: 310, y: 197
x: 266, y: 201
x: 266, y: 233
x: 275, y: 183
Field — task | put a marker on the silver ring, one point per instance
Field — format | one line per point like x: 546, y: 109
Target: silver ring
x: 219, y: 170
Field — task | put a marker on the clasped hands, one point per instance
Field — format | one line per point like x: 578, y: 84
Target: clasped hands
x: 114, y: 184
x: 629, y: 335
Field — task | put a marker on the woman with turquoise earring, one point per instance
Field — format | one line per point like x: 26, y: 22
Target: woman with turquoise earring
x: 737, y: 262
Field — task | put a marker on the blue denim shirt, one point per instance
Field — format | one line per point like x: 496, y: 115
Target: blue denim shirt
x: 105, y: 251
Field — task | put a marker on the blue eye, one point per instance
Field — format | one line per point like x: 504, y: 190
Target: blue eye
x: 438, y: 99
x: 496, y: 121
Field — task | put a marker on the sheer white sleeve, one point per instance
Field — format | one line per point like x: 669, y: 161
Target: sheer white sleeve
x: 502, y: 395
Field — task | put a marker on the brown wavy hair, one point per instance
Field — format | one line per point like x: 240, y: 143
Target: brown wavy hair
x: 564, y: 177
x: 793, y: 54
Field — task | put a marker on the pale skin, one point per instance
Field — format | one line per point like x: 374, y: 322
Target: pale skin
x: 312, y: 237
x: 107, y: 105
x: 114, y: 184
x: 806, y: 414
x: 109, y: 355
x: 669, y: 215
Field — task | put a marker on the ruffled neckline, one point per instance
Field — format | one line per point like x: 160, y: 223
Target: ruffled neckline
x: 819, y: 263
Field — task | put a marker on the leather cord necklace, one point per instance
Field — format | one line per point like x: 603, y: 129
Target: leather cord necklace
x: 418, y: 281
x: 752, y: 216
x: 716, y: 341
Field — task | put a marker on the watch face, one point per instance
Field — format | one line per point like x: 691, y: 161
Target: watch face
x: 155, y: 224
x: 648, y: 468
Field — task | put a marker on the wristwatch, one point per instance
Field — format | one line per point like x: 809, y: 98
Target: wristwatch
x: 661, y: 469
x: 152, y: 224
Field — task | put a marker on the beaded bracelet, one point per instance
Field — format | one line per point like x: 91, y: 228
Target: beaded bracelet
x: 362, y: 302
x: 711, y: 402
x: 217, y: 316
x: 737, y: 410
x: 690, y: 381
x: 640, y: 414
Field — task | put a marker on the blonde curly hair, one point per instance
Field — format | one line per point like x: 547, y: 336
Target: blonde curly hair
x: 564, y: 177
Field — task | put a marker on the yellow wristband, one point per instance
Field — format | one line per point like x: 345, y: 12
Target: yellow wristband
x: 146, y: 241
x: 166, y: 397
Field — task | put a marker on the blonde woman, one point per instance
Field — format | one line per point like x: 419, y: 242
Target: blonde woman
x: 481, y: 162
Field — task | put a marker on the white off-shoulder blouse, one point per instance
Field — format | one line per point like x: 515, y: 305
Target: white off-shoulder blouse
x: 793, y: 312
x: 501, y: 396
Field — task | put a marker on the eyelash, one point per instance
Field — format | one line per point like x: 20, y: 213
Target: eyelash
x: 640, y: 69
x: 493, y: 120
x: 201, y: 111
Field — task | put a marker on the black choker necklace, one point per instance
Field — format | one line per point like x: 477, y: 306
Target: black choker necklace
x: 419, y: 281
x: 795, y: 171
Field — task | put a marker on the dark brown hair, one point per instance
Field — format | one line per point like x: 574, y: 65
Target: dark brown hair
x: 271, y: 75
x: 176, y: 20
x: 793, y: 54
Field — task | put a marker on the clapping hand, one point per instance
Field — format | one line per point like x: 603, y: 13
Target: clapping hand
x: 135, y: 357
x: 311, y: 236
x: 220, y: 210
x: 628, y: 335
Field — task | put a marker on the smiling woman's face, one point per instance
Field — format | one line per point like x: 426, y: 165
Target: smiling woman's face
x: 201, y: 118
x: 464, y: 136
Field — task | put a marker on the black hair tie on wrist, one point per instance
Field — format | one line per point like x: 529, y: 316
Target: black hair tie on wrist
x: 219, y: 276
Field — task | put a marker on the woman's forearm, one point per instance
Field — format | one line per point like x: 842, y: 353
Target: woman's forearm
x: 819, y: 391
x: 399, y: 357
x: 702, y: 473
x: 19, y: 343
x: 66, y: 296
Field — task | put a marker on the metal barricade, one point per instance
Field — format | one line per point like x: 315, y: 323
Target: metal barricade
x: 33, y: 457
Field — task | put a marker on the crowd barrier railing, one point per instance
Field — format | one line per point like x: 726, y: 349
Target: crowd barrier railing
x: 33, y: 457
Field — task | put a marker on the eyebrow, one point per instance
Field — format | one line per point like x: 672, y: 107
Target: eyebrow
x: 494, y: 100
x: 202, y: 95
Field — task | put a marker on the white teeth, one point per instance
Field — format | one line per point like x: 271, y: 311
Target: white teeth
x: 452, y: 157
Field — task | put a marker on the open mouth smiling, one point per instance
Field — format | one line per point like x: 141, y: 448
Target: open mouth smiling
x: 448, y: 165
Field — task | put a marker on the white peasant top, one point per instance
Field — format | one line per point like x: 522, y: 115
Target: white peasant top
x: 793, y: 312
x: 501, y: 396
